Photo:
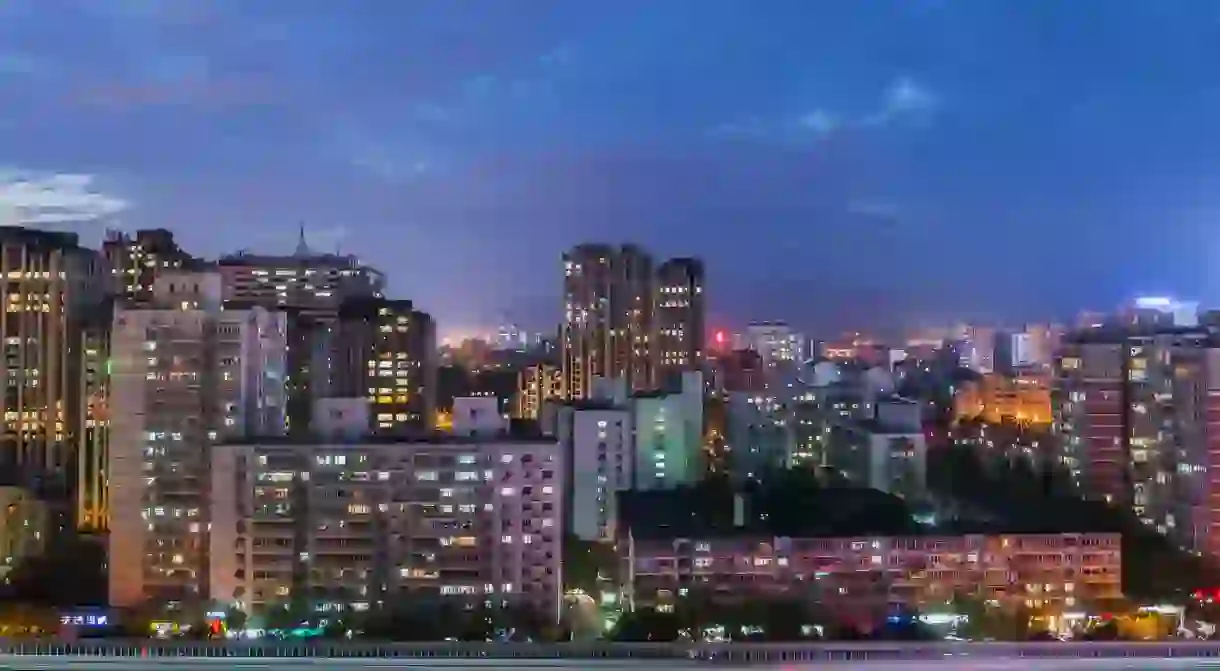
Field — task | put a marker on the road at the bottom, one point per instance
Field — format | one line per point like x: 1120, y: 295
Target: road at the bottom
x: 30, y: 663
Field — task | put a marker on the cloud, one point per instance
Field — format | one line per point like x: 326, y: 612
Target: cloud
x: 18, y: 64
x: 385, y: 158
x: 820, y: 122
x: 190, y: 91
x: 873, y: 209
x: 904, y: 99
x: 749, y: 128
x: 431, y: 112
x: 30, y: 199
x: 558, y: 57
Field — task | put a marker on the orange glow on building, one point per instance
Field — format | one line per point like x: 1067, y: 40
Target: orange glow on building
x: 444, y: 421
x: 1025, y: 399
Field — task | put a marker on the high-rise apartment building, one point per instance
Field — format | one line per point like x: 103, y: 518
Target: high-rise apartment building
x: 679, y: 313
x: 309, y: 287
x: 537, y: 384
x: 385, y: 350
x: 135, y: 261
x: 623, y: 319
x: 314, y: 282
x: 353, y: 524
x: 184, y: 376
x: 1137, y: 414
x: 608, y: 307
x: 54, y: 302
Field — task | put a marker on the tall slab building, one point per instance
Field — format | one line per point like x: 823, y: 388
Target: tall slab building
x: 53, y: 328
x: 625, y: 318
x: 309, y: 287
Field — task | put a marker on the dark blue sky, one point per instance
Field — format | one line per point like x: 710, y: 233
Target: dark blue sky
x: 833, y: 161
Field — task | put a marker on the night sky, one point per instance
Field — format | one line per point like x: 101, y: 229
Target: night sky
x: 835, y: 161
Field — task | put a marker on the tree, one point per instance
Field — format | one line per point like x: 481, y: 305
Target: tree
x: 235, y: 619
x: 70, y: 572
x: 1038, y: 500
x: 646, y: 625
x: 583, y: 563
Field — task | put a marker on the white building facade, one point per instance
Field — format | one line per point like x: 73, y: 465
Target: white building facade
x: 599, y: 444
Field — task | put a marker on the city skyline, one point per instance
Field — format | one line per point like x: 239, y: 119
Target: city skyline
x: 769, y: 143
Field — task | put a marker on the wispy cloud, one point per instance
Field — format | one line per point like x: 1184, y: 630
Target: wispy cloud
x: 407, y: 152
x: 875, y: 209
x: 18, y: 64
x: 31, y: 198
x: 395, y: 160
x: 559, y: 56
x: 202, y: 92
x: 820, y: 122
x: 905, y: 99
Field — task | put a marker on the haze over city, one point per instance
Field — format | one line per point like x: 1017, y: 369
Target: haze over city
x: 924, y: 158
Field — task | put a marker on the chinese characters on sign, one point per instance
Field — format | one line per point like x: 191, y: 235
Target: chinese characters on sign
x: 85, y: 620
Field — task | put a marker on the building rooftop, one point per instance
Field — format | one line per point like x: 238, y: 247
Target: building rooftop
x: 591, y: 404
x: 40, y: 238
x: 521, y: 431
x: 1120, y: 334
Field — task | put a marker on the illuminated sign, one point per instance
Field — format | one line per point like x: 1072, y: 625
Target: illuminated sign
x: 85, y: 620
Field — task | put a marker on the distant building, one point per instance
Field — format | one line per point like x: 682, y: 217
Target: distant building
x: 679, y: 344
x: 1161, y: 311
x: 385, y: 350
x: 995, y: 398
x: 537, y: 384
x: 888, y: 452
x: 758, y: 439
x: 777, y: 344
x: 979, y: 349
x: 135, y: 261
x: 739, y: 370
x: 309, y: 287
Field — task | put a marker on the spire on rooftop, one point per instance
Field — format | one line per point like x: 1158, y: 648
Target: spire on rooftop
x: 302, y: 247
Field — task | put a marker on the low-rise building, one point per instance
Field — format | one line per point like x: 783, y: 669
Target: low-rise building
x: 347, y: 524
x: 865, y: 577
